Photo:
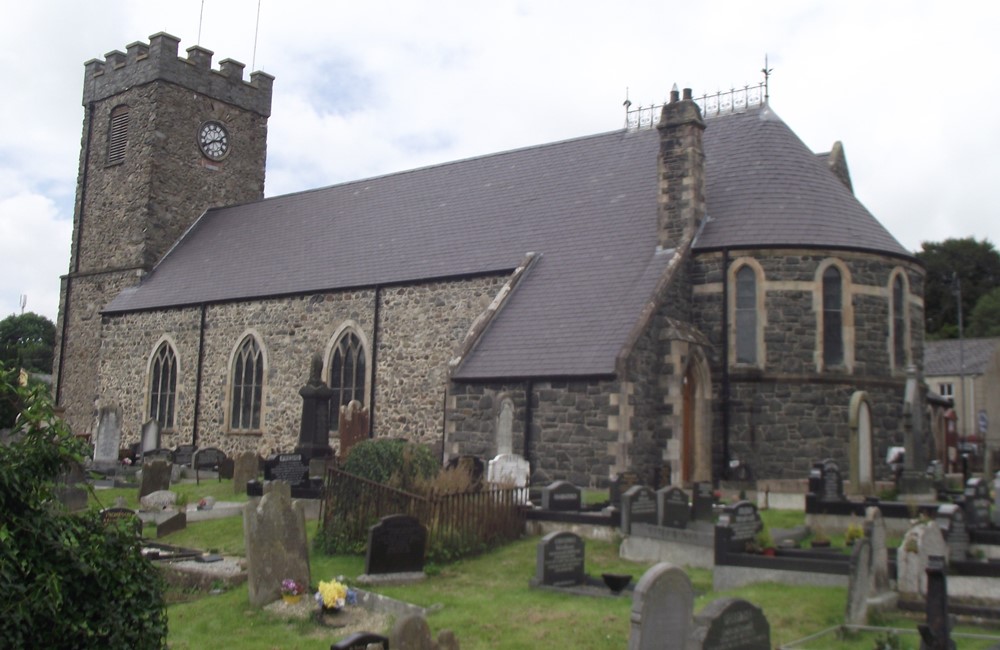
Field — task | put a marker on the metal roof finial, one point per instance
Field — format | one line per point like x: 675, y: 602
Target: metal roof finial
x: 767, y: 75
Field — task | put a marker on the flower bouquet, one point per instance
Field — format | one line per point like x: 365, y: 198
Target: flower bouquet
x: 291, y: 590
x: 332, y: 595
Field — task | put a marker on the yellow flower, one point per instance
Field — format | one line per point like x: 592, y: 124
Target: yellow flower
x: 333, y: 593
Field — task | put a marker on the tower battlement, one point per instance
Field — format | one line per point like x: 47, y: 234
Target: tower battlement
x: 143, y: 63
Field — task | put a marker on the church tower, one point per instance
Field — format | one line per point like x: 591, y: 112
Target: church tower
x: 164, y: 139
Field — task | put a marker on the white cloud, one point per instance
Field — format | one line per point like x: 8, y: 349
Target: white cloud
x: 35, y: 254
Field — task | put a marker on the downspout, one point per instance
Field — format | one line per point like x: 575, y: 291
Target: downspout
x: 725, y: 363
x: 76, y: 246
x: 197, y: 381
x: 375, y: 329
x: 529, y: 450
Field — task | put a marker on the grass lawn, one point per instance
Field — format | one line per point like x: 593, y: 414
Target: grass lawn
x: 486, y: 601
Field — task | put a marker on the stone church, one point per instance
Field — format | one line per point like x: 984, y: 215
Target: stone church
x: 688, y: 297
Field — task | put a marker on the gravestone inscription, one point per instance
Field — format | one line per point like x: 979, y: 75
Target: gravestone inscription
x: 292, y: 468
x: 702, y: 502
x: 731, y: 624
x: 743, y: 523
x: 559, y: 560
x: 638, y: 506
x: 396, y: 544
x: 673, y: 510
x: 561, y: 496
x: 122, y: 516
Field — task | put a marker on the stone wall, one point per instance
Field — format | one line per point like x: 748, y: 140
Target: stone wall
x: 420, y: 330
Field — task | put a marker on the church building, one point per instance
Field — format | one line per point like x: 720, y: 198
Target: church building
x: 693, y: 296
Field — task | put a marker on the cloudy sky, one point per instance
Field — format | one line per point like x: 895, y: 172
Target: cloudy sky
x: 367, y: 88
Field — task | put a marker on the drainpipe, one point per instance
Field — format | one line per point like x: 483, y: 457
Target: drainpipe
x: 197, y: 380
x: 725, y: 363
x: 375, y: 329
x: 529, y: 452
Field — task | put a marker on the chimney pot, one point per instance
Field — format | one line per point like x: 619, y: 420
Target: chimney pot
x: 675, y: 95
x: 687, y: 93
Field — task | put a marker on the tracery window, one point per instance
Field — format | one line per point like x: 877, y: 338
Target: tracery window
x: 898, y: 323
x: 746, y: 315
x: 163, y: 386
x: 118, y: 134
x: 833, y: 317
x: 248, y: 386
x: 347, y: 375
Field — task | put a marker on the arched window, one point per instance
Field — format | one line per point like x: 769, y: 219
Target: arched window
x: 163, y: 386
x: 347, y: 375
x: 248, y: 386
x: 898, y: 323
x: 833, y: 317
x: 118, y: 134
x: 746, y: 315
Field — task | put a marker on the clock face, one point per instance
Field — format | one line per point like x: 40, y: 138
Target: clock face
x: 213, y: 140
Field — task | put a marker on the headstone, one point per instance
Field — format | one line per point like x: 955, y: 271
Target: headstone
x: 505, y: 427
x: 173, y: 523
x: 183, y: 454
x: 245, y: 469
x: 362, y: 641
x: 274, y: 530
x: 672, y: 508
x: 314, y: 427
x: 743, y: 523
x: 69, y: 488
x: 859, y: 582
x: 832, y: 488
x: 875, y: 532
x: 638, y: 506
x: 662, y: 604
x: 291, y: 468
x: 109, y: 436
x: 150, y: 436
x: 620, y: 484
x: 396, y: 544
x: 207, y: 458
x: 509, y: 469
x: 559, y: 560
x: 996, y: 504
x: 703, y: 502
x: 155, y: 476
x: 951, y: 520
x: 411, y: 633
x: 919, y: 543
x: 561, y: 496
x: 158, y: 500
x: 226, y: 467
x: 936, y: 633
x: 731, y: 624
x: 123, y: 516
x: 158, y: 454
x: 977, y: 503
x: 352, y: 426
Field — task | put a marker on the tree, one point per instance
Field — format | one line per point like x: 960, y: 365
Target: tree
x: 66, y: 580
x: 954, y: 266
x: 985, y: 318
x: 27, y: 341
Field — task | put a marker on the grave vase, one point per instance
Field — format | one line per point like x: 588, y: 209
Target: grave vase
x: 291, y: 599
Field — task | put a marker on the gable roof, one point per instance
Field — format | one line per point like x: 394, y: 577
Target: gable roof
x: 944, y: 358
x: 587, y: 207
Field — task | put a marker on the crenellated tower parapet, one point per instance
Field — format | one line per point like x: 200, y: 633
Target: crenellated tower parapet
x: 158, y: 60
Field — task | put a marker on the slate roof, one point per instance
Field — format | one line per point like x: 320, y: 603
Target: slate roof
x: 586, y: 207
x: 944, y: 358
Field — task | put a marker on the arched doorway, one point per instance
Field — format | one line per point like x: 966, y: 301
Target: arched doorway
x: 861, y: 455
x: 688, y: 424
x: 694, y: 458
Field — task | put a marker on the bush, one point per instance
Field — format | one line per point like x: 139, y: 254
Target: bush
x: 398, y: 463
x: 66, y: 581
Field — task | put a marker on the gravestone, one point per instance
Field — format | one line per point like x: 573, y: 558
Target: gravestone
x: 954, y: 528
x: 662, y: 604
x: 638, y: 507
x: 314, y: 427
x: 158, y: 500
x: 505, y: 427
x: 226, y: 467
x: 919, y: 543
x: 274, y: 530
x: 150, y: 436
x: 831, y: 481
x: 122, y: 516
x: 731, y: 624
x: 868, y: 581
x: 245, y: 469
x: 936, y: 632
x: 183, y: 454
x: 559, y: 560
x: 109, y: 436
x: 742, y: 522
x: 977, y: 503
x: 411, y: 632
x: 672, y: 508
x: 875, y: 531
x: 996, y: 505
x: 561, y: 496
x: 859, y: 580
x: 396, y: 544
x: 69, y: 490
x: 362, y: 641
x: 508, y: 469
x: 352, y: 426
x: 620, y: 484
x: 703, y: 502
x: 155, y: 476
x: 171, y: 524
x: 207, y: 459
x: 291, y: 468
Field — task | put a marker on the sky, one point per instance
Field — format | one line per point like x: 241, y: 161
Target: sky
x: 367, y: 88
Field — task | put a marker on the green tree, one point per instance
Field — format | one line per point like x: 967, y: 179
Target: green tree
x: 66, y: 580
x: 985, y: 318
x: 27, y: 341
x: 954, y: 266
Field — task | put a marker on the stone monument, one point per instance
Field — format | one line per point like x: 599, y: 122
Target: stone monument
x: 314, y: 431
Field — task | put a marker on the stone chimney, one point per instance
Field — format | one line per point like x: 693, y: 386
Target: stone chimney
x: 681, y: 166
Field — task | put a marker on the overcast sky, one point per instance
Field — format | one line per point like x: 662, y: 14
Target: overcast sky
x: 366, y: 88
